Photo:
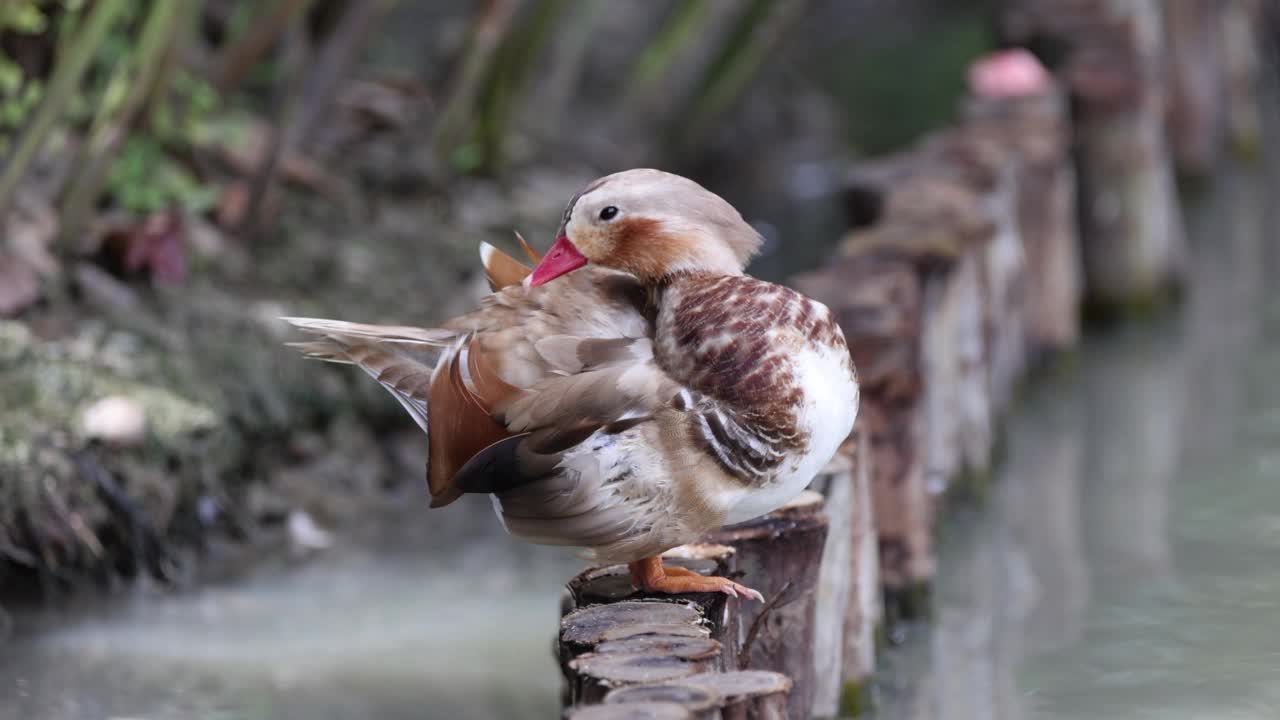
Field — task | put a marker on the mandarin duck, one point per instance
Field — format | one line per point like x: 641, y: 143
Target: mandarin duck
x: 631, y: 392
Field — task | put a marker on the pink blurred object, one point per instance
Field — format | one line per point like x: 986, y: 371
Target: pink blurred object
x: 1008, y: 74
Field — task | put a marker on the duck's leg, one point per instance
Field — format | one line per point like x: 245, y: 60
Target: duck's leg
x: 650, y: 575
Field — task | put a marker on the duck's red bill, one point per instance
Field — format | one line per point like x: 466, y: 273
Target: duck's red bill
x: 562, y: 258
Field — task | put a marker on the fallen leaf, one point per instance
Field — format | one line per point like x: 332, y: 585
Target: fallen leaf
x: 156, y: 246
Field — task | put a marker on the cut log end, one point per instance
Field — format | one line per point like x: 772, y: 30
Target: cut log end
x: 616, y: 670
x: 743, y: 684
x: 633, y: 711
x: 695, y: 698
x: 591, y: 625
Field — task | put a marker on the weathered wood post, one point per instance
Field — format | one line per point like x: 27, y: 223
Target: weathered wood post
x: 962, y: 260
x: 849, y: 605
x: 601, y: 606
x: 878, y: 299
x: 1243, y: 47
x: 780, y: 554
x: 630, y: 643
x: 1197, y: 121
x: 739, y: 695
x: 1036, y: 128
x: 1111, y: 54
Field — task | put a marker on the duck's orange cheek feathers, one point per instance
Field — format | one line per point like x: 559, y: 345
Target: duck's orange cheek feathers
x: 562, y: 258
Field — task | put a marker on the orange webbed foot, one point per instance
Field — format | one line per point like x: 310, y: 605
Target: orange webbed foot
x: 650, y: 575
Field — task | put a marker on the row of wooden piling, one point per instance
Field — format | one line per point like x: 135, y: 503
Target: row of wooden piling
x: 968, y: 259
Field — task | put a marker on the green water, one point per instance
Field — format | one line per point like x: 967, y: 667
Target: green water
x: 1128, y: 562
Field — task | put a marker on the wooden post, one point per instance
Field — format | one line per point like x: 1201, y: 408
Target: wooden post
x: 632, y: 711
x: 864, y: 614
x: 1110, y: 54
x: 612, y: 584
x: 849, y: 605
x: 699, y: 701
x: 1241, y: 27
x: 1197, y: 120
x: 780, y: 554
x: 877, y: 298
x: 836, y: 580
x: 630, y: 643
x: 1036, y: 128
x: 738, y: 695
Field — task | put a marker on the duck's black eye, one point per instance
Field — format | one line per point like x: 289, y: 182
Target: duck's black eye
x: 609, y: 213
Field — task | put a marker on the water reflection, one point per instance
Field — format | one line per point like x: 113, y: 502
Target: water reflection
x: 1128, y: 564
x: 400, y: 621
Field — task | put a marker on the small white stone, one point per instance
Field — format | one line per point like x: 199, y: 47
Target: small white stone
x: 305, y: 534
x: 115, y: 419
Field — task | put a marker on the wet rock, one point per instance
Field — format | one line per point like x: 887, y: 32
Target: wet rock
x: 305, y: 536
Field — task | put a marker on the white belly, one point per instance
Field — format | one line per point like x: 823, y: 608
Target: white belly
x: 830, y: 405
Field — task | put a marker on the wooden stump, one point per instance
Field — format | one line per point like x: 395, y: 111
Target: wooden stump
x: 630, y: 643
x: 1197, y: 121
x: 1037, y: 130
x: 849, y: 596
x: 837, y: 578
x: 633, y: 711
x: 1110, y: 54
x: 738, y: 695
x: 877, y: 297
x: 699, y: 701
x: 750, y: 694
x: 780, y: 554
x: 718, y: 612
x: 1241, y: 27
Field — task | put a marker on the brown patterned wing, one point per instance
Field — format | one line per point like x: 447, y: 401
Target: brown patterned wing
x: 464, y: 394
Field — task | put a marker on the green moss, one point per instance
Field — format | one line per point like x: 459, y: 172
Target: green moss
x: 1247, y: 147
x: 971, y: 485
x: 53, y: 382
x: 855, y: 698
x: 1137, y: 307
x: 908, y: 603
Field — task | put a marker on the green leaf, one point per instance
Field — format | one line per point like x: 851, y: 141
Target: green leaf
x: 10, y: 77
x: 25, y: 18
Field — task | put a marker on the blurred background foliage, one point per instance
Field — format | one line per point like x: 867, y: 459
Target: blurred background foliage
x: 141, y: 93
x: 176, y: 174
